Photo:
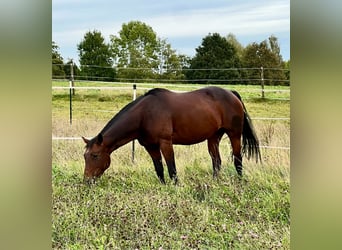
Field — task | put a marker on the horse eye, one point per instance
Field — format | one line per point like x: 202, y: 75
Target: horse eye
x: 94, y: 156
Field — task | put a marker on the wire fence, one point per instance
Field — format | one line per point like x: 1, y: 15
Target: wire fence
x: 148, y: 78
x: 65, y: 138
x: 252, y: 75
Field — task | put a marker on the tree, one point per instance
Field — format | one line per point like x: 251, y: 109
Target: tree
x: 170, y: 64
x: 266, y: 55
x: 231, y: 38
x: 57, y: 62
x: 95, y: 57
x: 213, y: 54
x: 287, y: 69
x: 141, y: 54
x: 136, y: 48
x: 275, y: 48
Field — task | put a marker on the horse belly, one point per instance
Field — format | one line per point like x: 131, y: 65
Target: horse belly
x: 193, y: 132
x: 181, y: 140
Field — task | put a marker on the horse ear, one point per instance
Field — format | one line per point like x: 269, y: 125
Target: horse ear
x: 99, y: 138
x: 85, y: 140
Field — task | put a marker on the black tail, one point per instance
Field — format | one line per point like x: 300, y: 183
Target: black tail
x: 250, y: 142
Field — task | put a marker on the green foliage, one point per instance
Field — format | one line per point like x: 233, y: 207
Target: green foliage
x: 95, y: 57
x: 170, y: 64
x: 140, y: 54
x: 231, y: 38
x: 135, y: 47
x: 215, y: 53
x: 275, y: 48
x: 267, y: 55
x: 57, y: 62
x: 287, y: 68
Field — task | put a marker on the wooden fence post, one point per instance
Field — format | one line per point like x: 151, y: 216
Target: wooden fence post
x: 70, y: 101
x: 262, y: 83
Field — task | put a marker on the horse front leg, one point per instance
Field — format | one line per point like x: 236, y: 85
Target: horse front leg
x: 167, y: 151
x: 154, y: 152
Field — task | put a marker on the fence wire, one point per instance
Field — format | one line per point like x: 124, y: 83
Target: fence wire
x: 63, y: 138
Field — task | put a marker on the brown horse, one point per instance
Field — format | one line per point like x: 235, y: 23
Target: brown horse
x: 161, y: 118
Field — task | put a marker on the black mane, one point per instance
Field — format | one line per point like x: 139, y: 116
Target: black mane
x: 155, y: 91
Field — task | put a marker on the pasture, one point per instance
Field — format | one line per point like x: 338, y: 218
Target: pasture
x: 129, y: 209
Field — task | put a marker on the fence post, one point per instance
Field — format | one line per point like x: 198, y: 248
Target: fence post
x: 262, y: 83
x: 72, y: 75
x: 133, y: 142
x: 70, y: 101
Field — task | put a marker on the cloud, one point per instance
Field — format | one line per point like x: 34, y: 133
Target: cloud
x: 181, y: 22
x: 240, y: 20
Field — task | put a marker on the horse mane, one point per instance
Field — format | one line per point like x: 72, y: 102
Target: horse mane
x: 155, y: 91
x: 130, y: 105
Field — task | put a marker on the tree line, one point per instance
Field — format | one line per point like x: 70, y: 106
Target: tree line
x: 138, y: 54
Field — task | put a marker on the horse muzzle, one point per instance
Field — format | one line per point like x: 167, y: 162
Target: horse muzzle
x: 89, y: 180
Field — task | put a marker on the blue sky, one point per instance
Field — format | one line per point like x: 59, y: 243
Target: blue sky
x: 183, y: 23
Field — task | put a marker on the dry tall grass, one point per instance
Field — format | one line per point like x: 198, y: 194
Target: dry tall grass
x: 270, y: 133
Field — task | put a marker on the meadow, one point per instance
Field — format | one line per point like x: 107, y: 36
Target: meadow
x: 128, y: 208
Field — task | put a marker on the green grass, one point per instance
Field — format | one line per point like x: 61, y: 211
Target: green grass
x: 129, y: 209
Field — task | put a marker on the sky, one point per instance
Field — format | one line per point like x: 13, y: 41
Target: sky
x: 183, y: 23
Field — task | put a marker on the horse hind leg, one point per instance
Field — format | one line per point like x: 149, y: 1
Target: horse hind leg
x: 167, y: 151
x: 154, y: 152
x: 213, y: 148
x: 235, y: 140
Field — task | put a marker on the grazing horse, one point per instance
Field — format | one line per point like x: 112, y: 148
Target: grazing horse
x: 161, y: 118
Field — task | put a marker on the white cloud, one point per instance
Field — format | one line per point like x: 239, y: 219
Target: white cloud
x: 246, y: 18
x: 240, y: 20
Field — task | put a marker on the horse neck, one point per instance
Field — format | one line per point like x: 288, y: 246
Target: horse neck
x: 122, y: 131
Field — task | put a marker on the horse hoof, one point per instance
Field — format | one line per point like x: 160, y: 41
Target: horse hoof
x: 175, y: 181
x: 162, y: 181
x: 239, y: 170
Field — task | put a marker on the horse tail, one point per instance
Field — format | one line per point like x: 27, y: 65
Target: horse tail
x: 250, y: 142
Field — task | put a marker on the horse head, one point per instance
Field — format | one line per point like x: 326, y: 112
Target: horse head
x: 97, y: 158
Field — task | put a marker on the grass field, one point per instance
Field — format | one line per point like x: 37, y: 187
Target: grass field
x: 129, y: 209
